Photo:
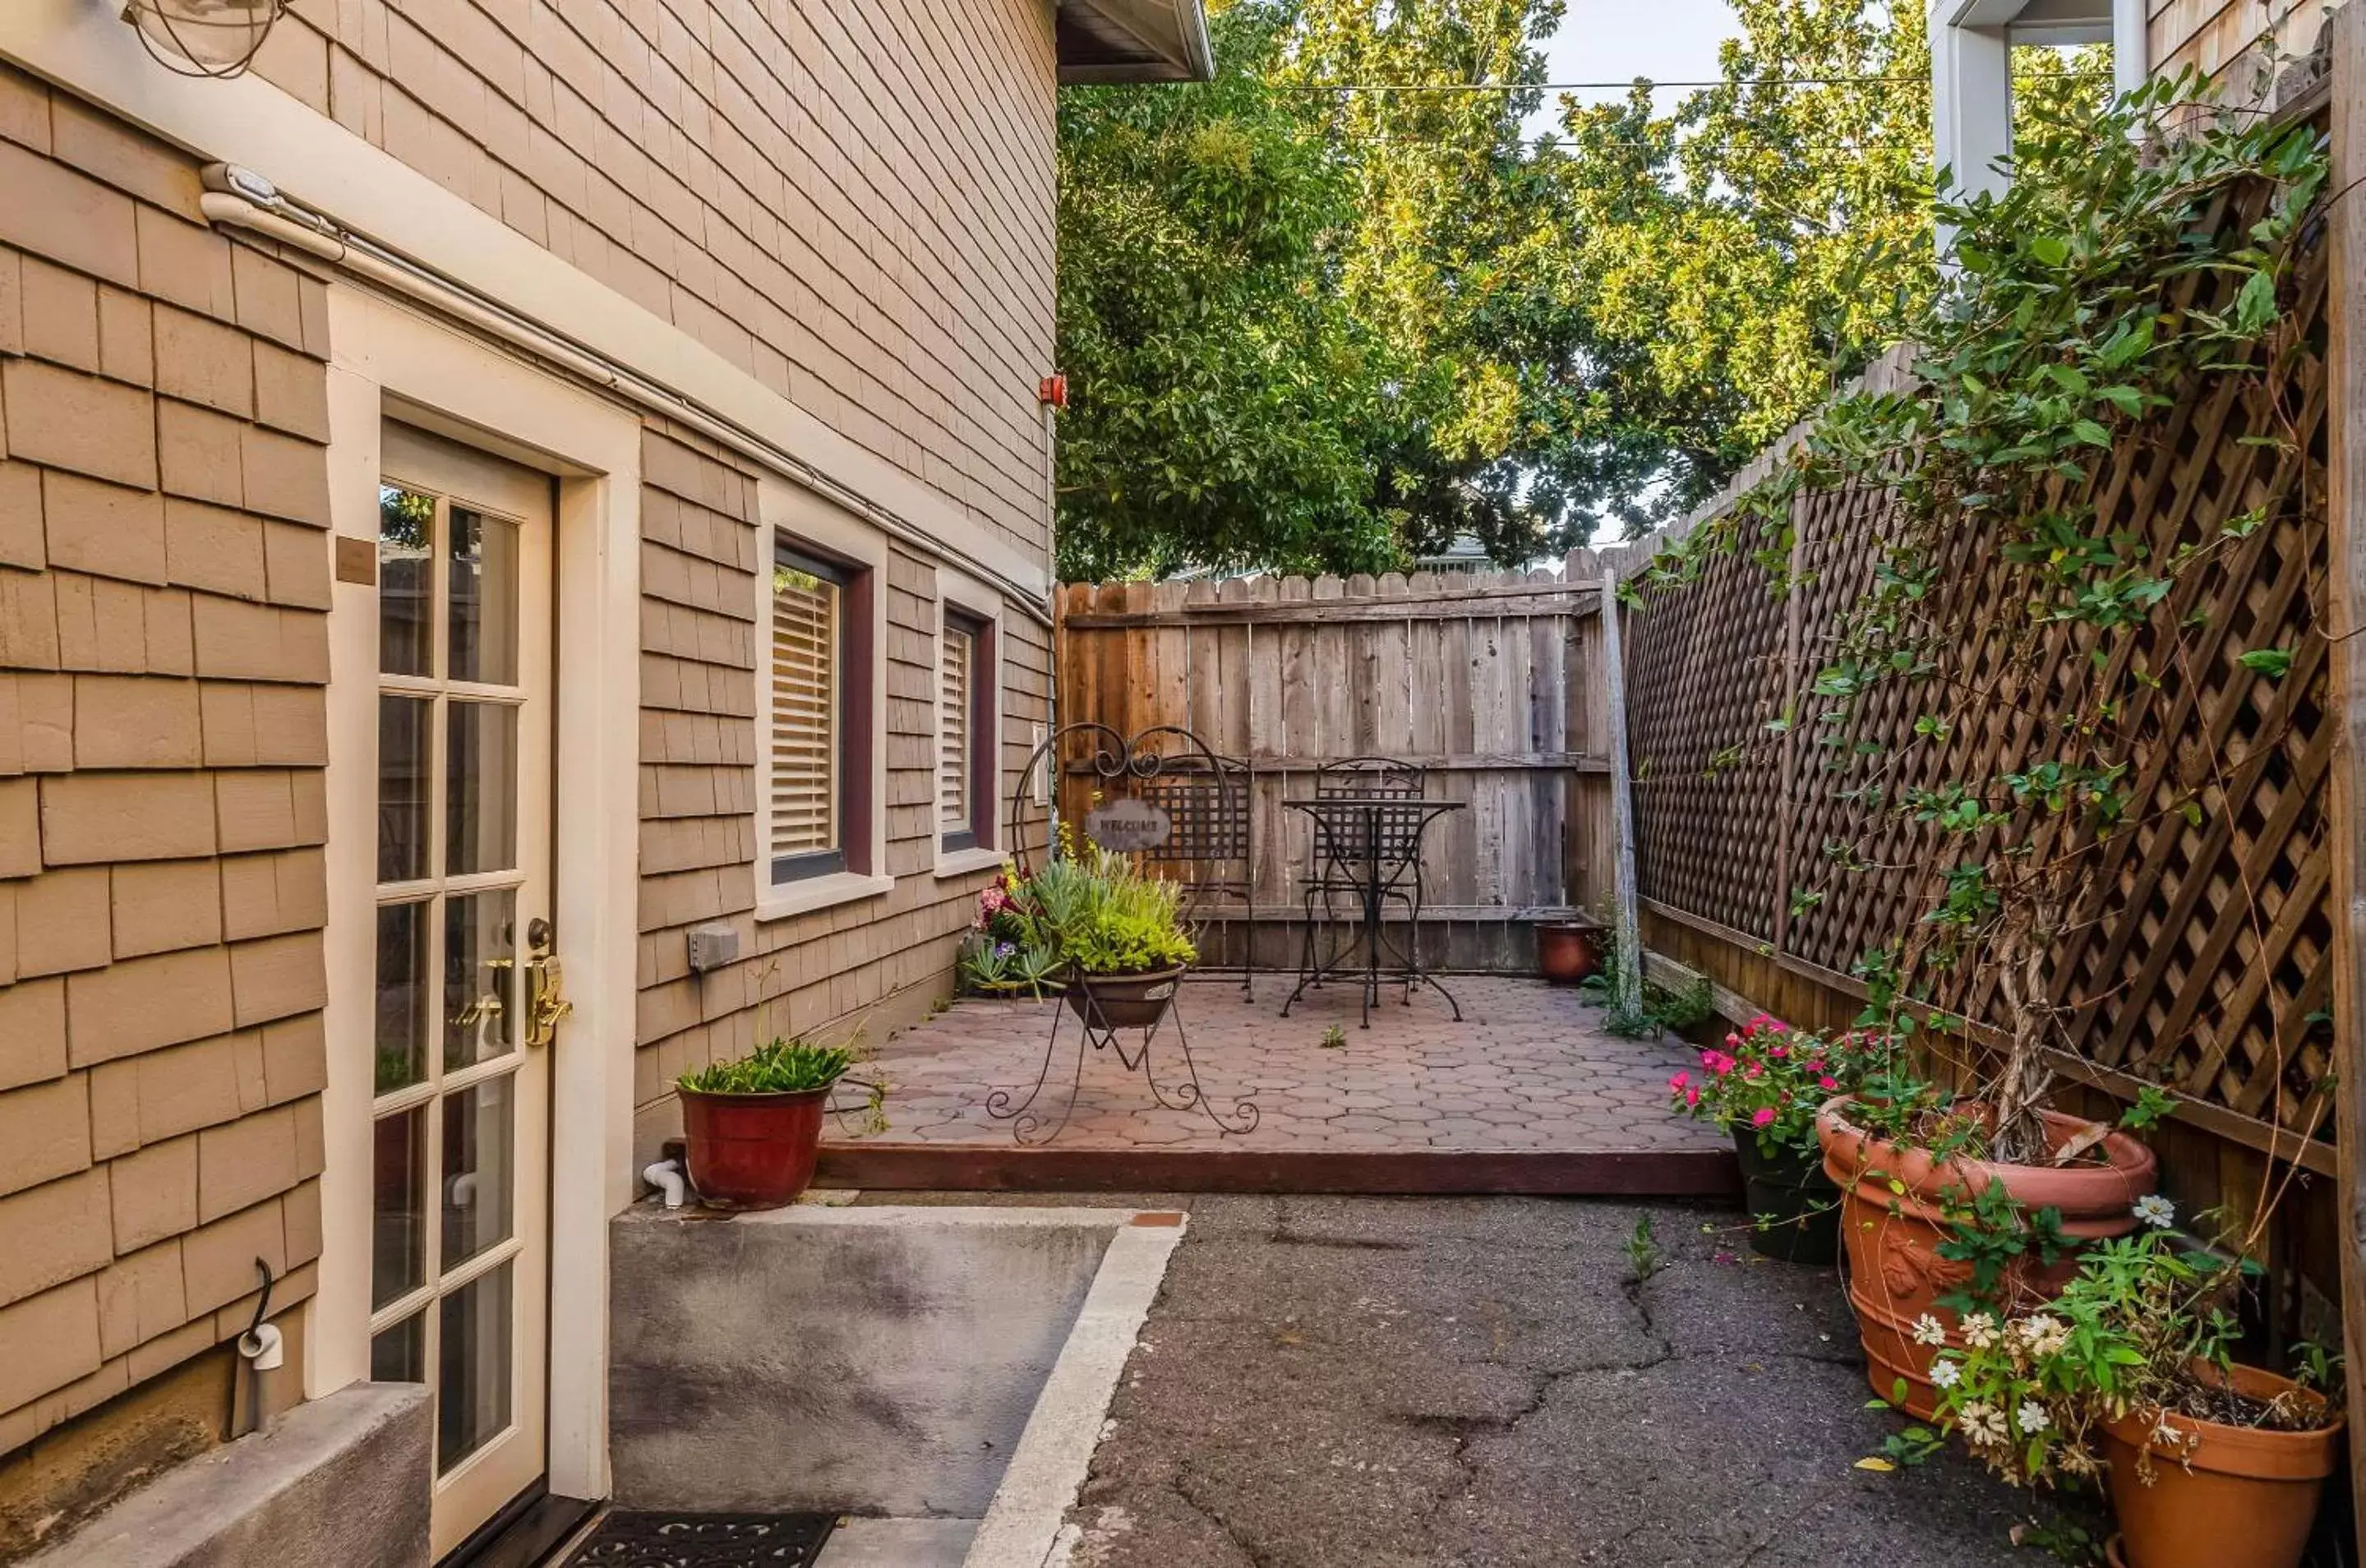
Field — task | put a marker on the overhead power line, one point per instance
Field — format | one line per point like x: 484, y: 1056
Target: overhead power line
x: 1638, y: 81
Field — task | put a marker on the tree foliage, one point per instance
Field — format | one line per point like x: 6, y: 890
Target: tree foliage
x: 1309, y: 325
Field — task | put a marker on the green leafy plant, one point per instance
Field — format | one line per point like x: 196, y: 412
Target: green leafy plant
x: 1663, y: 1010
x: 2144, y: 1329
x: 1088, y: 910
x: 2067, y: 332
x: 778, y: 1066
x: 1002, y: 968
x: 1334, y: 1038
x: 1642, y: 1249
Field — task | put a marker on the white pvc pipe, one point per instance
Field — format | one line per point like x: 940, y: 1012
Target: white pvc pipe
x: 667, y: 1177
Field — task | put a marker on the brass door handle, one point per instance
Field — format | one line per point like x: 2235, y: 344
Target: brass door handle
x: 547, y: 1002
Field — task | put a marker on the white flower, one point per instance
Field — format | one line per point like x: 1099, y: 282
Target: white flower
x: 1982, y: 1423
x: 1946, y: 1374
x: 1979, y: 1330
x: 2042, y: 1334
x: 2033, y: 1418
x: 1927, y: 1331
x: 2155, y: 1211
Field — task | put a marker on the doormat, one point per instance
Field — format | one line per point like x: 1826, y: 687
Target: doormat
x: 631, y: 1539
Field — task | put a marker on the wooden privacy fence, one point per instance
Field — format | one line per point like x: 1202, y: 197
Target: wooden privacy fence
x: 2208, y: 963
x: 1489, y: 681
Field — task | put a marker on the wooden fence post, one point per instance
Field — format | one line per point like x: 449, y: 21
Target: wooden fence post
x: 1630, y: 936
x: 2345, y: 616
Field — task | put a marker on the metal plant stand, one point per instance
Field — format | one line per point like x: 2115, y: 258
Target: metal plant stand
x: 1093, y: 1030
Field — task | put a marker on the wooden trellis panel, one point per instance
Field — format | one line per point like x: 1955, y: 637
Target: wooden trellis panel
x: 1706, y: 675
x: 2205, y: 961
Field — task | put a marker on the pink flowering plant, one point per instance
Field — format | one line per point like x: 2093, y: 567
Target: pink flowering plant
x: 1770, y: 1078
x: 1010, y: 948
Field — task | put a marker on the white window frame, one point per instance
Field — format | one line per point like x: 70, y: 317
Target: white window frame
x: 806, y: 523
x: 959, y: 592
x: 1971, y: 72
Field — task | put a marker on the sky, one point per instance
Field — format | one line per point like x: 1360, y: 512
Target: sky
x: 1617, y: 40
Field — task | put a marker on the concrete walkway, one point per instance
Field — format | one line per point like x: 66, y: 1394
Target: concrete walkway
x: 1377, y: 1382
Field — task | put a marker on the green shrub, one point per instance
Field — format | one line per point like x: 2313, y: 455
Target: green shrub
x: 780, y: 1067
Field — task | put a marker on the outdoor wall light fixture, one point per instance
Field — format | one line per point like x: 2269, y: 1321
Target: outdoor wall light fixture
x: 204, y: 37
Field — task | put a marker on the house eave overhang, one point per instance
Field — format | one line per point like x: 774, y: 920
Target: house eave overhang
x: 1133, y: 40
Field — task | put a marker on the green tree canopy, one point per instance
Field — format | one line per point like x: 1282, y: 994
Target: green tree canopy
x: 1313, y: 326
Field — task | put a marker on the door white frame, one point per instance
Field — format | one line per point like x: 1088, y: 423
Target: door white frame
x: 387, y: 360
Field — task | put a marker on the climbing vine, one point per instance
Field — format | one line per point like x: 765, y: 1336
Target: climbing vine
x: 2026, y: 610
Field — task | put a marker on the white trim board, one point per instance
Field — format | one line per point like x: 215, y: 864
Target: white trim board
x: 82, y: 46
x: 1025, y: 1525
x: 386, y: 360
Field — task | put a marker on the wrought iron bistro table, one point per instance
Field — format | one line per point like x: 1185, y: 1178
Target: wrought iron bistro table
x: 1375, y: 840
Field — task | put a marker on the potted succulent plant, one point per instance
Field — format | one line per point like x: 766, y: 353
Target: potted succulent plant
x: 1762, y: 1087
x: 1009, y: 950
x: 2128, y: 1372
x: 753, y: 1126
x: 1119, y: 931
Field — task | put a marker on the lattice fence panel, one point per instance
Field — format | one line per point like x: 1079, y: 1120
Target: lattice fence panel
x: 2204, y: 958
x: 1706, y: 797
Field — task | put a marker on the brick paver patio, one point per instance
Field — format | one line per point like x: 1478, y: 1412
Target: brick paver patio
x: 1528, y: 1069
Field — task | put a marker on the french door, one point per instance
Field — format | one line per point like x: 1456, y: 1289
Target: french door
x: 466, y: 991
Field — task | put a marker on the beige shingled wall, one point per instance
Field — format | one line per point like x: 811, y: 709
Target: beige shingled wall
x: 2221, y: 39
x: 163, y: 572
x: 852, y: 202
x: 876, y: 960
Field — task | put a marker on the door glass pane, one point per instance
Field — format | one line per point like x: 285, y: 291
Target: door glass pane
x: 484, y: 587
x: 479, y: 1131
x: 481, y: 781
x: 406, y: 524
x: 398, y: 1261
x: 403, y: 731
x: 480, y: 976
x: 472, y: 1403
x: 401, y: 995
x: 398, y: 1353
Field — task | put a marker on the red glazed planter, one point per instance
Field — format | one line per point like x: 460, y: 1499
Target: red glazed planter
x: 752, y: 1150
x: 1892, y: 1237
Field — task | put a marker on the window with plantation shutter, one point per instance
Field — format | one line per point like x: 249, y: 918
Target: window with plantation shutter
x: 809, y: 737
x: 953, y: 681
x: 965, y: 683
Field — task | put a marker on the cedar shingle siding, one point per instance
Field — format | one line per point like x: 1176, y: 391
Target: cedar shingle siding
x: 163, y: 575
x: 853, y: 203
x: 699, y: 647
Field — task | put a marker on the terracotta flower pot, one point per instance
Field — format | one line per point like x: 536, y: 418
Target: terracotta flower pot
x: 2222, y: 1496
x: 1124, y: 1001
x: 1892, y: 1236
x: 1568, y: 951
x: 752, y: 1150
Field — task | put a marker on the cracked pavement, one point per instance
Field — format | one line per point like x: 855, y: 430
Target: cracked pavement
x: 1417, y: 1383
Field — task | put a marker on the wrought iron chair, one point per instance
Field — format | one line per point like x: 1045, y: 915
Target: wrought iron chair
x: 1212, y: 846
x: 1342, y: 855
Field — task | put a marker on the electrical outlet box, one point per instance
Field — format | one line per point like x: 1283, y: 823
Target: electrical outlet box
x: 711, y: 947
